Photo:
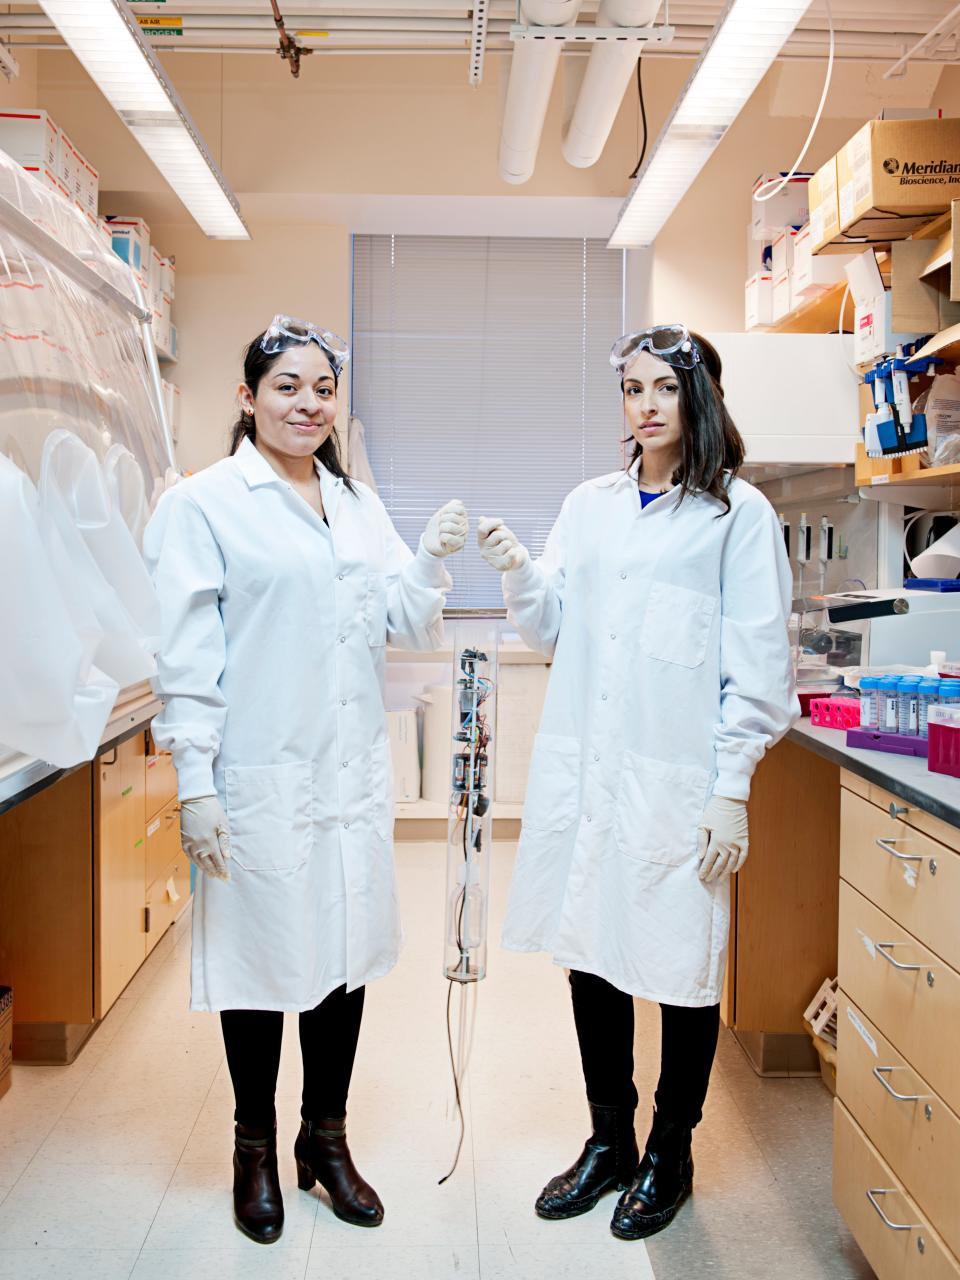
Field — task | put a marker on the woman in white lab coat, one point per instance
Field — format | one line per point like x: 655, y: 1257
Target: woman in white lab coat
x: 281, y: 581
x: 662, y: 597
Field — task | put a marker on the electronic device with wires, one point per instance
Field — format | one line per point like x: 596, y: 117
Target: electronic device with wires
x: 469, y: 840
x: 470, y: 824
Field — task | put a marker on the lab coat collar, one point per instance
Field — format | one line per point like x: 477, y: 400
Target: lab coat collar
x: 257, y: 471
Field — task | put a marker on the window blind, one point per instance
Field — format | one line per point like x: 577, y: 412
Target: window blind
x: 480, y: 371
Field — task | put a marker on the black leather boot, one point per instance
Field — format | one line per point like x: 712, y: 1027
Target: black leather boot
x: 257, y: 1202
x: 663, y: 1182
x: 609, y: 1160
x: 323, y: 1156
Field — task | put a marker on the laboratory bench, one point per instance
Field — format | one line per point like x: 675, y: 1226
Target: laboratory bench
x: 854, y: 873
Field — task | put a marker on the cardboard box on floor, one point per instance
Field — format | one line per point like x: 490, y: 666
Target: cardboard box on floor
x: 895, y: 175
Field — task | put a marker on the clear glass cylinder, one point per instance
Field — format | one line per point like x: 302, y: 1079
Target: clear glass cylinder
x: 470, y: 823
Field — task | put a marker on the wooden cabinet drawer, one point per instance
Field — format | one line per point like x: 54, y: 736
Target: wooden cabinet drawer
x: 161, y: 780
x: 935, y: 828
x: 911, y: 877
x: 163, y: 840
x: 916, y: 1005
x: 120, y: 859
x: 916, y: 1134
x: 905, y: 1247
x: 166, y: 898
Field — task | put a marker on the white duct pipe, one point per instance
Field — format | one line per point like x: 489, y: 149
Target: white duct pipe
x: 532, y: 72
x: 608, y: 73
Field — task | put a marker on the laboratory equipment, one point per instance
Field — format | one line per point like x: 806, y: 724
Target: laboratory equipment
x: 868, y: 702
x: 908, y: 692
x: 470, y: 826
x: 950, y: 693
x: 888, y: 702
x: 895, y: 628
x: 928, y: 695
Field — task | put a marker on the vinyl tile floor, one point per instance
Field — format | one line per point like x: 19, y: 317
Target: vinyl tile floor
x: 119, y: 1166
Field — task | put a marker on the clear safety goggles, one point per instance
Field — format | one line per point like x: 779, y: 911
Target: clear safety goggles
x: 285, y: 331
x: 671, y: 343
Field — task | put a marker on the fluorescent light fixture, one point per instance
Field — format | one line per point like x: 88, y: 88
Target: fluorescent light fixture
x: 106, y: 38
x: 747, y: 38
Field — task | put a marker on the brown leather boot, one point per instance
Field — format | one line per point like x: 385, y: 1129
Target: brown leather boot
x: 257, y: 1202
x: 322, y: 1155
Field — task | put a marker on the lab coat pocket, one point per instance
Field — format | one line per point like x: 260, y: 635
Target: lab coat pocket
x: 659, y: 807
x: 376, y: 610
x: 270, y: 812
x: 381, y: 774
x: 553, y: 784
x: 676, y: 626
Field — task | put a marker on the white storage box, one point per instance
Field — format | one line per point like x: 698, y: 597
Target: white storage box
x: 402, y: 731
x: 168, y: 278
x: 68, y: 165
x: 131, y: 241
x: 155, y: 280
x: 788, y: 208
x: 759, y: 254
x: 813, y: 274
x: 30, y: 138
x: 782, y: 296
x: 89, y: 186
x: 873, y: 335
x: 758, y: 301
x: 783, y: 252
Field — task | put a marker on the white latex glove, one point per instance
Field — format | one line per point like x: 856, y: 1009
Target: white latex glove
x: 447, y: 529
x: 499, y: 545
x: 723, y: 839
x: 205, y: 835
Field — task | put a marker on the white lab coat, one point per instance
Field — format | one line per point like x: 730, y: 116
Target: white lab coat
x: 272, y: 666
x: 671, y: 676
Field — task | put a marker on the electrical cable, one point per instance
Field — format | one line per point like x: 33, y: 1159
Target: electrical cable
x: 779, y: 183
x: 643, y: 116
x: 456, y: 1087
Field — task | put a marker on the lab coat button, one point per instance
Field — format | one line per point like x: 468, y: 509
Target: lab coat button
x: 623, y: 575
x: 340, y: 577
x: 343, y: 702
x: 346, y: 826
x: 597, y: 759
x: 603, y: 697
x: 343, y: 639
x: 344, y: 764
x: 613, y: 635
x: 589, y: 819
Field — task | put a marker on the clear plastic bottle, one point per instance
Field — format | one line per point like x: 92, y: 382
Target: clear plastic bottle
x: 868, y: 702
x: 928, y: 696
x: 908, y: 687
x: 950, y: 693
x: 888, y: 702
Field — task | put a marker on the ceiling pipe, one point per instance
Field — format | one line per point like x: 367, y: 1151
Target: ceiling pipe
x: 532, y: 72
x: 608, y: 73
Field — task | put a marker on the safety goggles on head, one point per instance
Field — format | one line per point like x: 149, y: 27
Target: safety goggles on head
x: 285, y: 331
x: 671, y: 343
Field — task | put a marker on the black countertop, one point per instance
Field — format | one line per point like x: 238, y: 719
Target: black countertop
x: 903, y: 776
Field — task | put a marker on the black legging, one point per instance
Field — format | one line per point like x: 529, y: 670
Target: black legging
x: 328, y: 1044
x: 604, y: 1018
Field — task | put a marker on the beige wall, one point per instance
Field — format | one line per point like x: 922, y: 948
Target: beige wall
x: 227, y: 292
x: 21, y: 92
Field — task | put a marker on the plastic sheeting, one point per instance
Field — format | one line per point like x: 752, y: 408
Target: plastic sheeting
x: 81, y: 445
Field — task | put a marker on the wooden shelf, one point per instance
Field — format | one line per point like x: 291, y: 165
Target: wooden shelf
x: 819, y: 315
x: 901, y: 472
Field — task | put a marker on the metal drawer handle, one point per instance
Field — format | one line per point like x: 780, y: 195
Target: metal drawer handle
x: 890, y: 960
x: 885, y: 844
x: 894, y: 1226
x: 880, y: 1073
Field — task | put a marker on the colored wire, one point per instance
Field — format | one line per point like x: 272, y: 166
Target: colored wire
x: 456, y: 1084
x: 643, y: 117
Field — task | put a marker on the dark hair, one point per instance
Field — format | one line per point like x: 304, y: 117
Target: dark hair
x: 256, y: 364
x: 711, y: 443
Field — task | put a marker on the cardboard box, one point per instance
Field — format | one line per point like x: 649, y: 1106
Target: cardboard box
x: 47, y: 177
x: 89, y: 186
x: 920, y: 305
x: 873, y: 333
x: 824, y: 208
x: 155, y: 279
x: 6, y: 1039
x: 168, y: 278
x: 131, y: 242
x: 814, y: 274
x: 30, y: 138
x: 783, y: 247
x: 402, y: 732
x: 788, y: 208
x: 68, y: 165
x: 174, y: 342
x: 894, y: 175
x: 758, y: 301
x: 171, y: 403
x: 782, y: 303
